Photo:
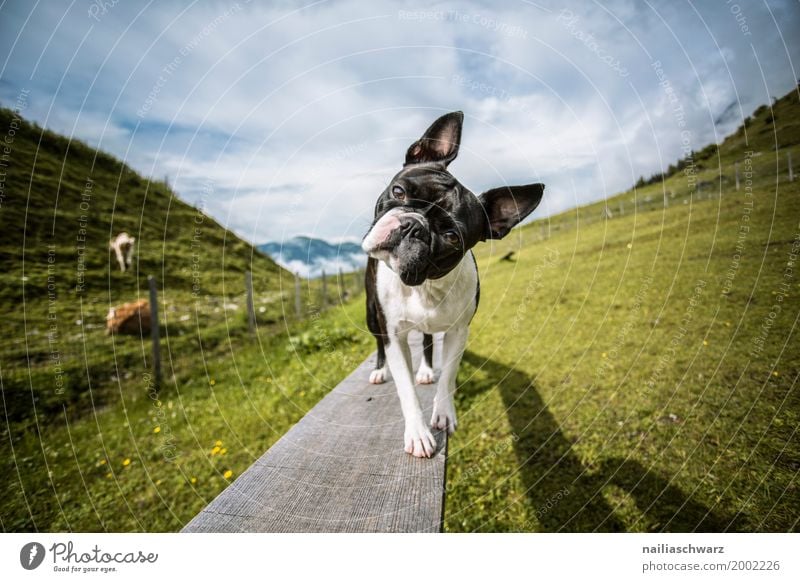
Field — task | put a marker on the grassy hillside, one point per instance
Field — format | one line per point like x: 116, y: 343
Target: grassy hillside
x: 62, y: 202
x: 623, y: 373
x: 640, y: 373
x: 70, y: 393
x: 63, y: 193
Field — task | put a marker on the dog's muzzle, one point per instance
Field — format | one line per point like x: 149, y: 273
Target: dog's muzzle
x: 392, y: 228
x: 403, y: 241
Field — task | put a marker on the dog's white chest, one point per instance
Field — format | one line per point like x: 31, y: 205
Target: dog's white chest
x: 436, y: 305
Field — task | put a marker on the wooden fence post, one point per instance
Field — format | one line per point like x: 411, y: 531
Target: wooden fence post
x: 791, y: 170
x: 251, y: 310
x: 298, y: 305
x: 666, y: 199
x: 736, y: 168
x: 621, y: 208
x: 154, y: 331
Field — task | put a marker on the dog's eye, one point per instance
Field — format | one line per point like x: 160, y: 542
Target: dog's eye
x: 398, y: 192
x: 452, y: 238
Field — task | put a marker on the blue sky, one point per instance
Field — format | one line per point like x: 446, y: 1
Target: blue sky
x: 288, y: 118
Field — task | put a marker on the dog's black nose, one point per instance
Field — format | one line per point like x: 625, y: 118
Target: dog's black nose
x: 413, y: 227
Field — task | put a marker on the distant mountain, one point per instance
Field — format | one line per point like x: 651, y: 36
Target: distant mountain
x: 311, y: 256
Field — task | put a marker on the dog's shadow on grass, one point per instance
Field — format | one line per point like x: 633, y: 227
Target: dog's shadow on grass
x: 565, y: 494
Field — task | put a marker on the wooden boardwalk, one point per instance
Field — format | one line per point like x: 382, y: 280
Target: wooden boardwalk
x: 342, y: 468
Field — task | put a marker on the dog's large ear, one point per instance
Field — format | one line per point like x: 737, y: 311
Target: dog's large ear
x: 507, y: 206
x: 440, y: 143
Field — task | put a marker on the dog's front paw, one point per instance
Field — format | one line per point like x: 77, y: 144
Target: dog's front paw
x: 419, y: 440
x: 378, y: 376
x: 444, y: 415
x: 425, y: 374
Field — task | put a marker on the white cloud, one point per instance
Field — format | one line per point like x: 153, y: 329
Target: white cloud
x: 298, y: 118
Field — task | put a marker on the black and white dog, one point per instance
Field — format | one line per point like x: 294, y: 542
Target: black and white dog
x: 421, y: 274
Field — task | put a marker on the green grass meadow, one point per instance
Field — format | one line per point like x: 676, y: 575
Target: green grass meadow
x: 636, y: 372
x: 640, y: 373
x: 627, y: 391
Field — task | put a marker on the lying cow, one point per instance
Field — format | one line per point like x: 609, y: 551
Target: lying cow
x: 122, y: 245
x: 129, y: 318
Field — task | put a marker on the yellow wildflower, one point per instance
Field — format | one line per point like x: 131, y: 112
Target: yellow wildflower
x: 126, y: 462
x: 228, y: 474
x: 157, y: 429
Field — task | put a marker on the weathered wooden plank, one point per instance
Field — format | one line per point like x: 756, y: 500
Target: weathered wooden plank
x: 340, y: 469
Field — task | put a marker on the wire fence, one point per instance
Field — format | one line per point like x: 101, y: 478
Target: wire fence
x: 64, y: 355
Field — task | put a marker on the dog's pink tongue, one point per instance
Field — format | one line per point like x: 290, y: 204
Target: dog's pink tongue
x: 381, y: 231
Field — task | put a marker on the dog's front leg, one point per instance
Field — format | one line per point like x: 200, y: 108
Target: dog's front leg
x: 444, y: 411
x: 418, y: 438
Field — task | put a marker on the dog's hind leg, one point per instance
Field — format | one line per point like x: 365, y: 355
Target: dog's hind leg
x: 425, y: 372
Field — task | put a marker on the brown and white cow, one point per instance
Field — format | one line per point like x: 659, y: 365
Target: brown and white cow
x: 129, y: 318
